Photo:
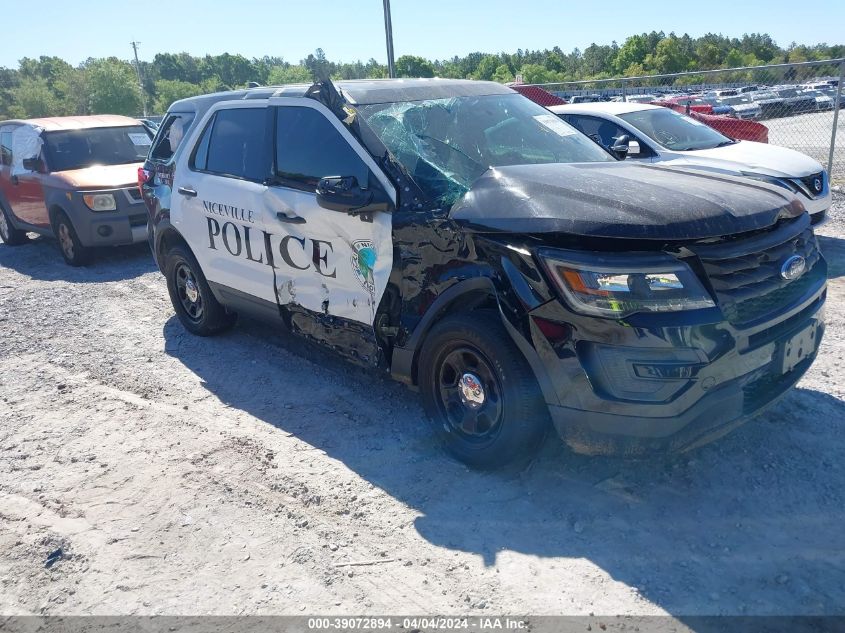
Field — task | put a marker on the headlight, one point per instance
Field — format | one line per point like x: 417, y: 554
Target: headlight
x: 772, y: 180
x: 100, y: 201
x: 616, y: 286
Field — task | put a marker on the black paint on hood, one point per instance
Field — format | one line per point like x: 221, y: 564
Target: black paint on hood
x: 620, y: 200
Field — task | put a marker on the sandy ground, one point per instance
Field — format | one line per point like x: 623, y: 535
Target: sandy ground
x: 146, y: 471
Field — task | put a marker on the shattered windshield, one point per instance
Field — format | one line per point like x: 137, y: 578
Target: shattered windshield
x: 446, y: 144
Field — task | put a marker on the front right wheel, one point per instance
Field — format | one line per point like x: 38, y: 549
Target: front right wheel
x: 480, y: 392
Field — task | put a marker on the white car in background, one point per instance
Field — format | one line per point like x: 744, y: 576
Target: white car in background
x: 660, y: 135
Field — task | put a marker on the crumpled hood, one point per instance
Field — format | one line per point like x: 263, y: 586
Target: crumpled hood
x: 99, y: 176
x: 620, y: 200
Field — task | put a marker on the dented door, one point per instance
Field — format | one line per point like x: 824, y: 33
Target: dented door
x: 331, y: 263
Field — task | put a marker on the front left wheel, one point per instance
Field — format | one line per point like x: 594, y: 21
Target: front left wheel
x: 192, y: 299
x: 73, y: 252
x: 480, y: 392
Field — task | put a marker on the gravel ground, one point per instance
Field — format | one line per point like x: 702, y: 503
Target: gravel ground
x: 146, y: 471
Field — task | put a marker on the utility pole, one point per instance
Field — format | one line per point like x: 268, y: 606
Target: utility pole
x: 388, y: 31
x: 140, y: 81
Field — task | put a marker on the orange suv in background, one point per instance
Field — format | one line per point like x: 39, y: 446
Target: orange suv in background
x: 73, y: 178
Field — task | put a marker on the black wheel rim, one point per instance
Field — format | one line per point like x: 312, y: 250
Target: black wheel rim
x: 469, y: 394
x: 188, y: 291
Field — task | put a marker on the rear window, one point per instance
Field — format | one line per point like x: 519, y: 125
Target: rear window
x: 170, y: 135
x: 77, y: 149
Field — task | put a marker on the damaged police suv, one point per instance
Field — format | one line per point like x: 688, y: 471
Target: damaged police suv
x: 477, y: 247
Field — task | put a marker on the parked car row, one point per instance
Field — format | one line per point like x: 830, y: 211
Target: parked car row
x: 472, y: 244
x: 744, y: 102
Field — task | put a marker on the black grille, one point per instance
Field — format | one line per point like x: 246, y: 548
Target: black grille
x: 811, y: 181
x: 135, y: 194
x: 746, y: 274
x: 138, y: 219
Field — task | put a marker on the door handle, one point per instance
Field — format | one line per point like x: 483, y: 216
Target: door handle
x: 187, y: 191
x: 14, y: 180
x: 290, y: 219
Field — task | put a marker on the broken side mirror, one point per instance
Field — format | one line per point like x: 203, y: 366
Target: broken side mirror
x: 33, y: 164
x: 344, y: 194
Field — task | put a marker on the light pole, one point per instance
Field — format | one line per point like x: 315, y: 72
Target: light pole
x: 140, y: 81
x: 388, y: 32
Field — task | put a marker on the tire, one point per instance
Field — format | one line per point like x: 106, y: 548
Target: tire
x: 72, y: 250
x: 8, y: 233
x: 192, y: 299
x: 503, y: 423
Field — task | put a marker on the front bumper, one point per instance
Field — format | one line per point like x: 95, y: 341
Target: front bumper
x: 125, y: 225
x: 653, y: 385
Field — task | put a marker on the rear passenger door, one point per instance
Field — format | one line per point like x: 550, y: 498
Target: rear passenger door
x: 219, y: 194
x: 332, y: 263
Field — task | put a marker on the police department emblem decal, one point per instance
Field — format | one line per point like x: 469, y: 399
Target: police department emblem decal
x: 363, y: 262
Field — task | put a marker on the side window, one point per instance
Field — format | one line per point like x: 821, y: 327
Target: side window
x: 309, y: 147
x: 235, y: 144
x: 170, y: 135
x: 6, y: 145
x: 602, y: 131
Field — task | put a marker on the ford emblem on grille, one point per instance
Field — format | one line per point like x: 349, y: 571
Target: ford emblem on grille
x: 817, y: 185
x: 793, y: 267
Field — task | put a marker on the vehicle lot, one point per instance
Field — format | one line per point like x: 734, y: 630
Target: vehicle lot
x: 810, y: 133
x: 146, y: 471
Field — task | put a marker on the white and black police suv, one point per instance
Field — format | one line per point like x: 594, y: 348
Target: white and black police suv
x: 477, y: 247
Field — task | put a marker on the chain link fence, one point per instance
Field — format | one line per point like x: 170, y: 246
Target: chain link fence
x: 793, y: 105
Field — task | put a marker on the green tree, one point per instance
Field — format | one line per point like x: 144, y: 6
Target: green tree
x: 290, y: 74
x: 535, y: 74
x: 33, y: 97
x: 486, y: 67
x: 170, y: 90
x: 319, y: 67
x: 114, y: 87
x: 413, y: 66
x: 503, y: 74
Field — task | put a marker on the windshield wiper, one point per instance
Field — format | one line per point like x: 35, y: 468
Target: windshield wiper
x: 724, y: 143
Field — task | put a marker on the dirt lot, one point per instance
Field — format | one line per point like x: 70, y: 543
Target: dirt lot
x: 146, y: 471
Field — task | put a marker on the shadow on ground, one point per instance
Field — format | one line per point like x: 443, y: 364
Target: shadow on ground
x: 833, y: 249
x: 749, y: 525
x: 39, y: 258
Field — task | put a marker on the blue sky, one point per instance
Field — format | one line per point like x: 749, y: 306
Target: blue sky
x: 347, y: 31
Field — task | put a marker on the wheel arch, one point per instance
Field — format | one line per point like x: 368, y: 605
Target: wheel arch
x: 465, y: 296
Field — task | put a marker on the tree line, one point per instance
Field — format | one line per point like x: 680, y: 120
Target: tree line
x: 50, y: 86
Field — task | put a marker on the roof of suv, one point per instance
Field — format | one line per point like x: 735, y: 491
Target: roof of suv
x: 51, y: 124
x: 360, y: 91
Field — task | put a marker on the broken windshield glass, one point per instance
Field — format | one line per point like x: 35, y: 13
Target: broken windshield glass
x: 446, y: 144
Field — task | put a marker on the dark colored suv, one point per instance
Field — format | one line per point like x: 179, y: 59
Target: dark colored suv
x: 475, y: 246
